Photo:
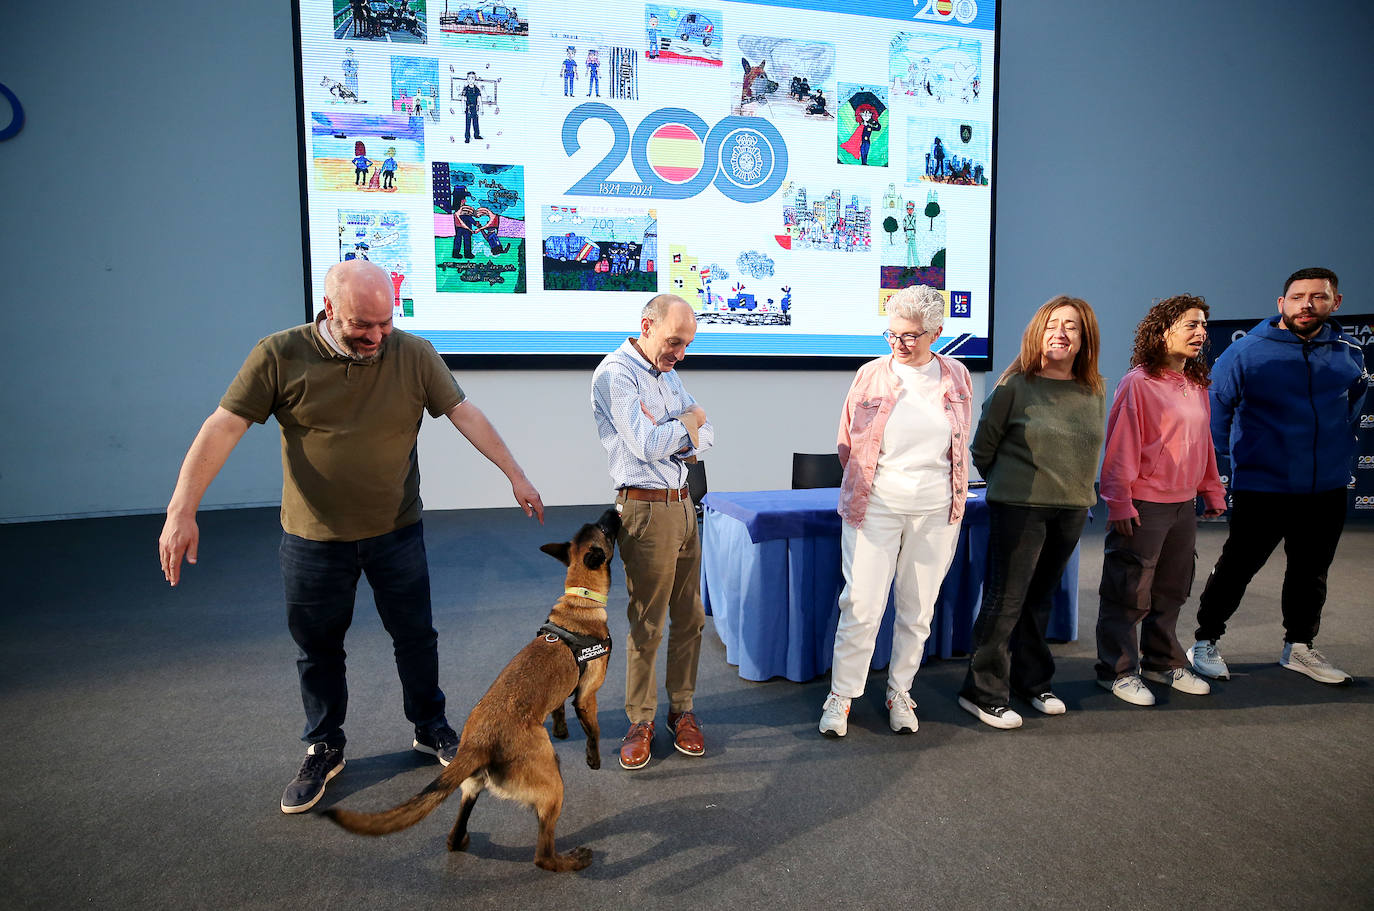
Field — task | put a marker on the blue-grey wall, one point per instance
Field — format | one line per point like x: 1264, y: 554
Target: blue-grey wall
x: 150, y: 219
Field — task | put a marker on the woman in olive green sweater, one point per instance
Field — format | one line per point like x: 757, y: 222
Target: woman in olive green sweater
x: 1037, y: 446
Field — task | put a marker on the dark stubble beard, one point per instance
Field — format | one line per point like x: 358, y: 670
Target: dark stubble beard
x: 1292, y: 327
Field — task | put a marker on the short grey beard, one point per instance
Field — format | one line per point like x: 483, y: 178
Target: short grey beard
x: 336, y: 330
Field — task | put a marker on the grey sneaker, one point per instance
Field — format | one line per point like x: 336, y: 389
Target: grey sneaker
x: 441, y: 742
x: 1129, y: 688
x: 835, y: 715
x: 1181, y: 679
x: 1207, y: 660
x: 305, y: 790
x: 901, y: 712
x: 1306, y: 660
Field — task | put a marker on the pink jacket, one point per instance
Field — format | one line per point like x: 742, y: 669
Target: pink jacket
x: 866, y: 409
x: 1159, y: 445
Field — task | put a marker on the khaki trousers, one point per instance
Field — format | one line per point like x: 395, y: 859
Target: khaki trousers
x: 661, y: 550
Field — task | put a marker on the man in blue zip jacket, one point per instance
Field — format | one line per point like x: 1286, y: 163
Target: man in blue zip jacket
x: 1285, y: 407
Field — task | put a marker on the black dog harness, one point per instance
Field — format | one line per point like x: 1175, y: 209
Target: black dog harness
x: 584, y: 648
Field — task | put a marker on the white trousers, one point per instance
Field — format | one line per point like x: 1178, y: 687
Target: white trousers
x: 917, y: 551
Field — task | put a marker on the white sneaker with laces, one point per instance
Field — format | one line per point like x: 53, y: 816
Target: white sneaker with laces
x: 1207, y: 661
x: 998, y: 716
x: 1048, y: 704
x: 1304, y: 659
x: 1181, y: 679
x: 1130, y: 688
x: 901, y: 712
x: 835, y: 715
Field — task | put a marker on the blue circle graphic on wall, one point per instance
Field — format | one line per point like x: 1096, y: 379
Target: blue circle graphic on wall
x: 17, y: 117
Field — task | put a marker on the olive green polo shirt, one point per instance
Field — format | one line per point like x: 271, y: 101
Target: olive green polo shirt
x: 348, y: 430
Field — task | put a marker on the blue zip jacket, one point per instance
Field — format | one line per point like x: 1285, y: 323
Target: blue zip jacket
x: 1286, y: 410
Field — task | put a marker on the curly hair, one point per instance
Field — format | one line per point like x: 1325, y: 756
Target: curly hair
x: 1150, y: 352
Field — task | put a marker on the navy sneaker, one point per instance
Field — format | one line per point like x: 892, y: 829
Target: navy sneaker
x: 305, y: 790
x: 440, y: 741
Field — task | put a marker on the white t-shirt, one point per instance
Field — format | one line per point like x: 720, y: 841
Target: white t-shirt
x: 912, y: 475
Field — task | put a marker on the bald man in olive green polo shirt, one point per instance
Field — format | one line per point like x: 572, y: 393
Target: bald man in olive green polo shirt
x: 349, y: 393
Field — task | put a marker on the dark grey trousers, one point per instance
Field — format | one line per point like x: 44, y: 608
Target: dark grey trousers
x: 1146, y: 578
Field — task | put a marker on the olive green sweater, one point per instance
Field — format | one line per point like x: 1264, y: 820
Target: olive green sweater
x: 1039, y: 440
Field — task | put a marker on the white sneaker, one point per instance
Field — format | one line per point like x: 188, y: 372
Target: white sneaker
x: 901, y: 712
x: 835, y: 715
x: 1207, y: 660
x: 1181, y: 679
x: 1048, y: 704
x: 1306, y: 660
x: 1130, y: 688
x: 998, y: 716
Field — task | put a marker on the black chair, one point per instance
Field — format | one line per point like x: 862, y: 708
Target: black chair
x: 696, y: 483
x: 816, y: 469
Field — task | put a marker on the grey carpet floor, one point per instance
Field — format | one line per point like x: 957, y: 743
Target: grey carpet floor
x: 148, y: 733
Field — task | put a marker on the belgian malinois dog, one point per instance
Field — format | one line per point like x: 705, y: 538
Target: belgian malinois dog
x: 504, y: 746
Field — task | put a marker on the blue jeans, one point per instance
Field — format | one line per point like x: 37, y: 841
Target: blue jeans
x: 321, y: 582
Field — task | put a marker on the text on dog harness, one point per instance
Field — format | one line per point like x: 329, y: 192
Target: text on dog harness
x: 584, y: 648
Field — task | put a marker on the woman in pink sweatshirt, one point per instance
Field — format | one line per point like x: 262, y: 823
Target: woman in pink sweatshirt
x: 1159, y: 458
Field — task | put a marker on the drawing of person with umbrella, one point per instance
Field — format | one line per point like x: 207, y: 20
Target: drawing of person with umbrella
x: 867, y: 107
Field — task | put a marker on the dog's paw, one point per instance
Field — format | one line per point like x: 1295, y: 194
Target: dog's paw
x: 462, y: 844
x: 580, y: 858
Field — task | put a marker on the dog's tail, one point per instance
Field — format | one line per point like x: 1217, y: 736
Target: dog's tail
x: 413, y: 810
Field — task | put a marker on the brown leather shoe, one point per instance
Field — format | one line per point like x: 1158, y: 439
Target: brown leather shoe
x: 687, y: 736
x: 635, y: 747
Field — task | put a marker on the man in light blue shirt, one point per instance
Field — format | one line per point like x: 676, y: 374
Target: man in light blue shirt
x: 651, y: 428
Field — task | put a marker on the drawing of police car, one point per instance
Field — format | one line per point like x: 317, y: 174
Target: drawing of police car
x: 695, y: 25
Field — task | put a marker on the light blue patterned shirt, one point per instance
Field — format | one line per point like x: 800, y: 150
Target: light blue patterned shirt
x: 643, y: 452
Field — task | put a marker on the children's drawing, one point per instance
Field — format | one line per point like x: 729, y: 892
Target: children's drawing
x: 753, y: 293
x: 784, y: 78
x: 860, y: 122
x: 415, y: 86
x: 823, y: 220
x: 690, y: 35
x: 345, y: 90
x: 383, y: 238
x: 492, y: 26
x: 595, y: 248
x: 383, y: 153
x: 948, y: 151
x: 933, y: 70
x: 479, y: 227
x: 912, y: 248
x: 380, y: 20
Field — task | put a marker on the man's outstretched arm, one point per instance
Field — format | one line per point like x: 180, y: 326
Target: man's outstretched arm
x: 218, y: 436
x: 473, y: 424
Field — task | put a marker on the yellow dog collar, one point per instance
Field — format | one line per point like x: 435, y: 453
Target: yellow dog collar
x: 585, y: 593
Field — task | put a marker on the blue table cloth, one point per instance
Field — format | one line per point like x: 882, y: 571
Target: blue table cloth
x: 771, y: 580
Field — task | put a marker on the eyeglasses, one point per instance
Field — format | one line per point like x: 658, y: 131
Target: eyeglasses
x: 908, y: 339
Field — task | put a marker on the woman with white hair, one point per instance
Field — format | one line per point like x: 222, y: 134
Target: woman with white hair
x: 903, y: 442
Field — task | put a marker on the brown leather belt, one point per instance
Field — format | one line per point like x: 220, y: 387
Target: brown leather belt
x: 655, y: 495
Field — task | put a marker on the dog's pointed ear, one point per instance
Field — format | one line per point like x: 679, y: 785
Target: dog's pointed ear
x: 558, y: 551
x: 594, y: 558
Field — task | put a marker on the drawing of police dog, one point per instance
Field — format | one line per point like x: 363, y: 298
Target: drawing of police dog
x: 504, y: 746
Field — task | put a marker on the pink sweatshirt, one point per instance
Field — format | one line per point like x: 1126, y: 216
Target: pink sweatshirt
x: 1159, y: 445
